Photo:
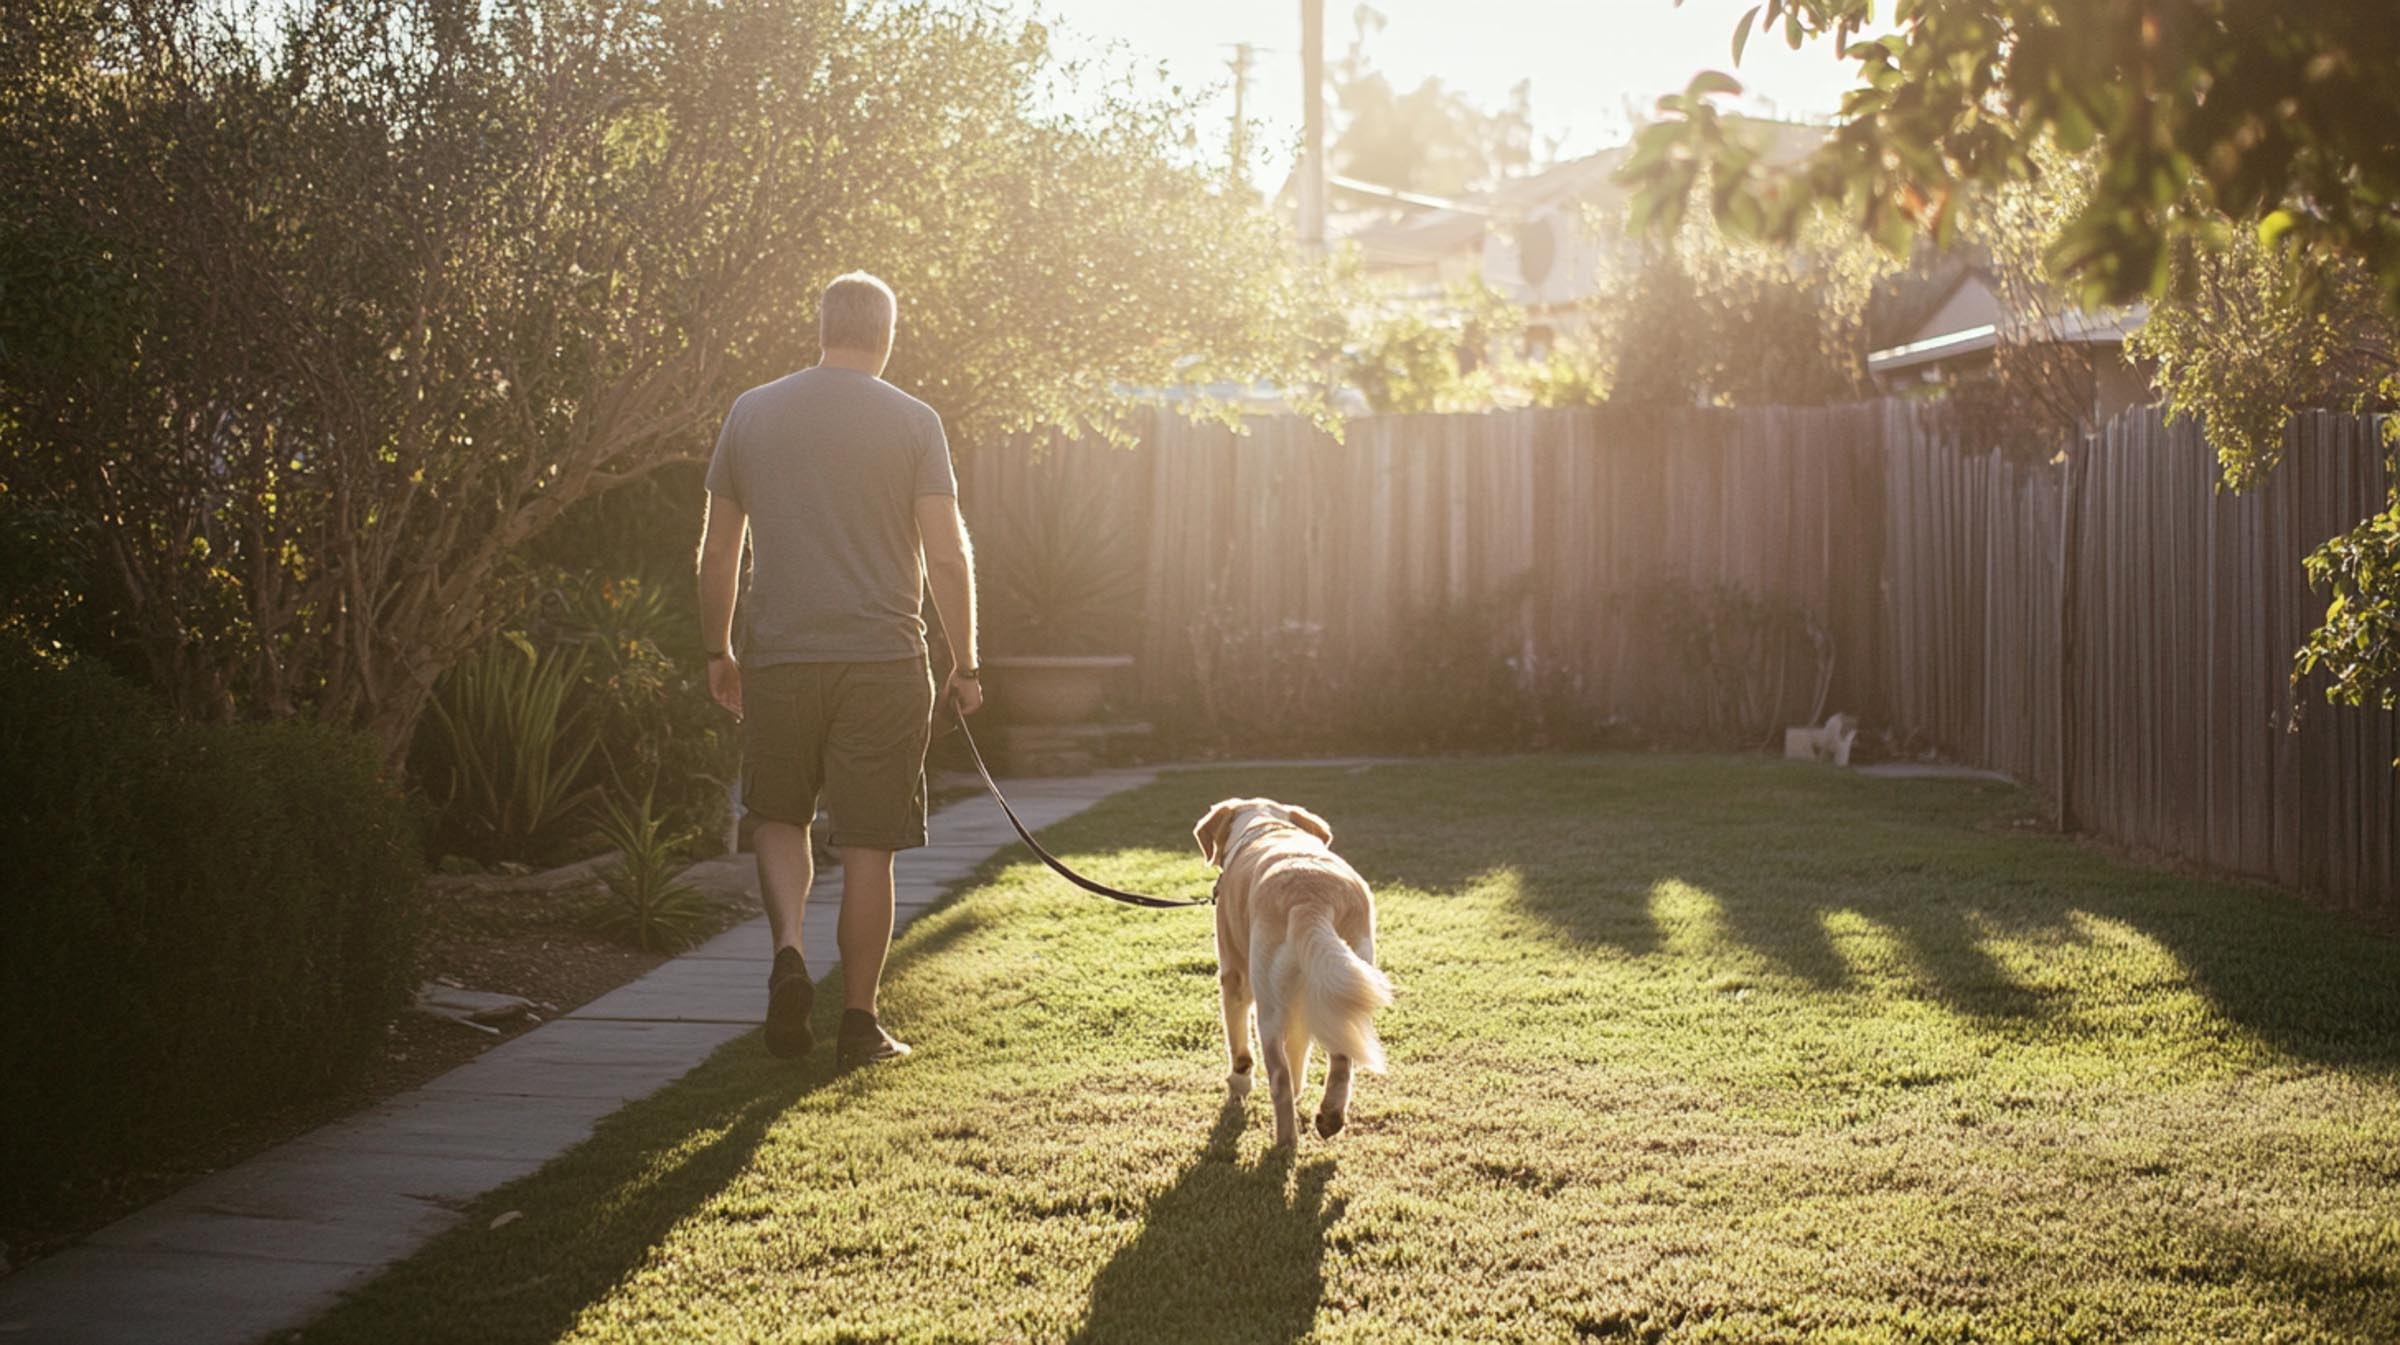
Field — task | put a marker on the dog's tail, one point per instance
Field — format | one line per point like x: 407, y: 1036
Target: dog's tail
x: 1339, y: 990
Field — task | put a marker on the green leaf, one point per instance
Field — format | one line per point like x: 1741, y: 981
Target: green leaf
x: 1741, y: 33
x: 1650, y: 148
x: 2073, y: 129
x: 1709, y: 82
x: 2272, y: 229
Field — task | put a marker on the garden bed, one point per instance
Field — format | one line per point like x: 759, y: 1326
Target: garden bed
x: 525, y: 936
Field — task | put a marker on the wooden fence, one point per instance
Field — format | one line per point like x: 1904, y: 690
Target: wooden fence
x: 2113, y: 628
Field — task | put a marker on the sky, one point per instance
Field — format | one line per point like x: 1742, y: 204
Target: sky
x: 1592, y: 62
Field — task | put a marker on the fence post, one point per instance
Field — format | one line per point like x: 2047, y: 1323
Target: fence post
x: 2069, y: 553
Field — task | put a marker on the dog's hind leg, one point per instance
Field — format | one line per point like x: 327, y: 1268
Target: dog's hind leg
x: 1296, y: 1048
x: 1275, y: 1030
x: 1283, y: 1085
x: 1334, y: 1108
x: 1235, y: 986
x: 1276, y: 1025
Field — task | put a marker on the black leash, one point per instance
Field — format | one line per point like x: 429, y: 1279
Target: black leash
x: 1095, y: 888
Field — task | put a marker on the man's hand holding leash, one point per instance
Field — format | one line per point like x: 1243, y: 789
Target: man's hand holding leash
x: 725, y: 682
x: 964, y: 690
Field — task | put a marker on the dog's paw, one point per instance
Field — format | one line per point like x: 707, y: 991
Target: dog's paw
x: 1238, y: 1084
x: 1329, y: 1123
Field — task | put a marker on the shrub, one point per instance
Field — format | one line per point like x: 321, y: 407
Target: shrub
x: 1445, y: 683
x: 1712, y: 665
x: 204, y: 922
x: 1742, y: 666
x: 656, y: 725
x: 646, y: 907
x: 505, y: 755
x: 1270, y: 690
x: 1061, y: 576
x: 525, y: 734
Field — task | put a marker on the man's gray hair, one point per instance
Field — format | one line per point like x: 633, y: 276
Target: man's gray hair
x: 857, y: 313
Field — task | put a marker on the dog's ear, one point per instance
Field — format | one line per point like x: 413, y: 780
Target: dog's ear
x: 1216, y: 828
x: 1309, y: 822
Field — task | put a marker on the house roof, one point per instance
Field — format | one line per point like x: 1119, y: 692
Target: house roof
x: 1904, y: 301
x: 1588, y: 182
x: 1970, y: 317
x: 1421, y: 238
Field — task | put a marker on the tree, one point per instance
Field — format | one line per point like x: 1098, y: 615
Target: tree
x: 1429, y: 139
x: 2241, y: 342
x: 1402, y: 353
x: 2045, y: 389
x: 2251, y: 141
x: 311, y: 316
x: 1705, y: 318
x: 2195, y: 111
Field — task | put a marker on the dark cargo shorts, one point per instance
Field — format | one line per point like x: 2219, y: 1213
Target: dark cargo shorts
x: 852, y: 734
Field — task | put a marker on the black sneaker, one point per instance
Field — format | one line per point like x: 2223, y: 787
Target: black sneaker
x: 791, y: 998
x: 864, y: 1042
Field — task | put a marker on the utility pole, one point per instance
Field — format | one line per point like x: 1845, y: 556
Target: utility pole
x: 1312, y: 126
x: 1242, y: 52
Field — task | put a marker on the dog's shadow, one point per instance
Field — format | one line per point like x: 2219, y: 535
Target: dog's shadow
x: 1228, y: 1253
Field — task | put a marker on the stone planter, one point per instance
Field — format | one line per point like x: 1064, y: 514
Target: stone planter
x: 1053, y: 689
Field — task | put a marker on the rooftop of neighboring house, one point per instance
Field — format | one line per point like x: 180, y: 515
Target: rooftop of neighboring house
x: 1953, y: 309
x: 1393, y: 231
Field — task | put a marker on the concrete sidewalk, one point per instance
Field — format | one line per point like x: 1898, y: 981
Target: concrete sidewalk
x: 268, y: 1245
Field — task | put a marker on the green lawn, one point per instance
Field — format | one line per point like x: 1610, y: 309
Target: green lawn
x: 1685, y: 1049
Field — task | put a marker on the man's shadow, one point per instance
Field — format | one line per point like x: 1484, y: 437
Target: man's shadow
x: 1225, y: 1254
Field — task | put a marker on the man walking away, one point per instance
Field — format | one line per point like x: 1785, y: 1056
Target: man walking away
x: 845, y: 483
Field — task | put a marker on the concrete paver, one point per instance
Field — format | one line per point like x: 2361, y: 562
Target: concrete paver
x: 266, y: 1246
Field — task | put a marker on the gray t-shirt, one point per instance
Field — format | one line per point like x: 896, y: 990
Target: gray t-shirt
x: 828, y: 463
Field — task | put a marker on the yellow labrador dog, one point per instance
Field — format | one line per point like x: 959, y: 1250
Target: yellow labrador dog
x: 1295, y: 931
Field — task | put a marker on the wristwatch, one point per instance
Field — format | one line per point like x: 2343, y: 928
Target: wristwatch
x: 715, y: 654
x: 967, y: 674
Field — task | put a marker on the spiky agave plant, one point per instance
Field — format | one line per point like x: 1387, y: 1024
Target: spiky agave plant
x: 507, y: 750
x: 646, y: 907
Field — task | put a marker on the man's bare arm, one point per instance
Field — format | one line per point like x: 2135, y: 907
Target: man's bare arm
x: 720, y: 570
x: 950, y: 573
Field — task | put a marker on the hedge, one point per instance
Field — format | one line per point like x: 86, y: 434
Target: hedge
x: 202, y: 922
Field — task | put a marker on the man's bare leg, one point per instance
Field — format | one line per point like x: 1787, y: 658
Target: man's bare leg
x: 785, y: 873
x: 865, y: 932
x: 786, y: 870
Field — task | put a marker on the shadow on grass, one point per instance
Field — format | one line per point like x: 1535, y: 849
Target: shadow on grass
x: 2308, y: 984
x: 595, y: 1215
x: 1939, y: 867
x: 2346, y: 1292
x: 1938, y: 933
x: 1225, y: 1254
